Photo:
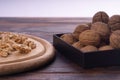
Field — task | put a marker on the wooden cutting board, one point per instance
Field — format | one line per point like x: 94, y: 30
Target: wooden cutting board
x: 43, y: 53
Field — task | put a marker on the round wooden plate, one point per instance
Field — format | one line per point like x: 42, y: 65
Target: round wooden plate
x: 43, y: 53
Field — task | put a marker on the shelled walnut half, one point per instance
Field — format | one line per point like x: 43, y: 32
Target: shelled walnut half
x: 14, y: 42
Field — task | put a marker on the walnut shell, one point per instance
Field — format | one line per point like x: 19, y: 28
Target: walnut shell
x: 79, y: 29
x: 115, y: 39
x: 106, y: 47
x: 100, y: 17
x: 102, y: 29
x: 77, y: 45
x: 114, y: 22
x: 89, y: 24
x: 68, y: 38
x: 89, y: 37
x: 89, y: 48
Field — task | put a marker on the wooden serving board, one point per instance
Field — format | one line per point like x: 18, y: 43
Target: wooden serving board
x: 18, y: 63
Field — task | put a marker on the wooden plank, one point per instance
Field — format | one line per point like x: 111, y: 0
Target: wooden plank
x: 44, y: 20
x: 63, y: 76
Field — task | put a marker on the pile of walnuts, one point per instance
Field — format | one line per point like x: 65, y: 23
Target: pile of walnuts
x: 103, y: 33
x: 12, y: 43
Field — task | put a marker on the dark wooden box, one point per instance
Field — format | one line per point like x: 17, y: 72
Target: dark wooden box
x: 89, y: 59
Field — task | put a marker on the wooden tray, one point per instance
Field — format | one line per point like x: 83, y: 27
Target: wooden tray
x: 43, y: 54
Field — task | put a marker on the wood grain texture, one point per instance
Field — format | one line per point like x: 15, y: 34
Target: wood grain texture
x: 61, y: 68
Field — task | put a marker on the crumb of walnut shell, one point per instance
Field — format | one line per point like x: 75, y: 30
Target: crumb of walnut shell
x: 89, y: 48
x: 80, y: 28
x: 100, y: 16
x: 89, y: 37
x: 77, y: 45
x: 106, y: 47
x: 114, y: 22
x: 102, y: 29
x: 115, y: 39
x: 68, y: 38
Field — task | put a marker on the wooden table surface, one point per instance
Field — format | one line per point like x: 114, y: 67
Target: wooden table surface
x: 60, y: 68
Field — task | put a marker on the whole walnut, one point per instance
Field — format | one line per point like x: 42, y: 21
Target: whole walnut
x: 100, y: 16
x: 77, y: 45
x: 115, y: 39
x: 79, y: 29
x: 102, y: 29
x: 89, y: 48
x: 114, y: 22
x: 89, y: 37
x: 106, y: 47
x: 68, y: 38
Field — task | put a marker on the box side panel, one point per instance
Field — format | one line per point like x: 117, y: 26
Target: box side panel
x: 102, y: 58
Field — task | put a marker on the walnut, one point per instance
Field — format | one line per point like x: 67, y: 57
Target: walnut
x: 30, y: 44
x: 11, y: 43
x: 79, y: 29
x: 102, y: 29
x: 89, y: 48
x: 19, y: 39
x: 21, y: 48
x: 68, y: 38
x: 3, y: 53
x: 77, y: 45
x: 100, y: 17
x: 115, y: 39
x: 89, y: 37
x: 106, y: 47
x: 24, y: 49
x: 114, y: 22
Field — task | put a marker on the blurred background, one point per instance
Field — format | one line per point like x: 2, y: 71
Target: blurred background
x: 57, y: 8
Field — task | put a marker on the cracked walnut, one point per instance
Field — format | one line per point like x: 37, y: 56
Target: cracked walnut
x: 13, y: 42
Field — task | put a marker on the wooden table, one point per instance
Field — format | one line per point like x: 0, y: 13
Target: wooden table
x: 61, y: 68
